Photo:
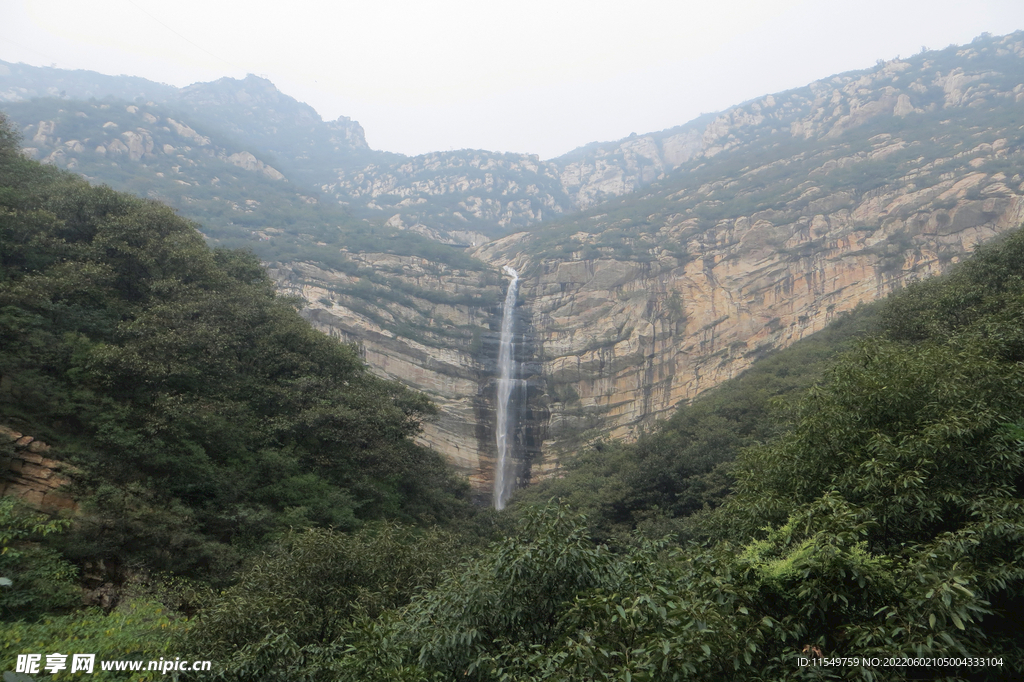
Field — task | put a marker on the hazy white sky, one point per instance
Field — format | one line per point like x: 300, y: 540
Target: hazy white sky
x: 536, y: 76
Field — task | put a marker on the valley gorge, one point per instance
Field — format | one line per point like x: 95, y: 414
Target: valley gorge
x: 649, y: 269
x: 610, y: 345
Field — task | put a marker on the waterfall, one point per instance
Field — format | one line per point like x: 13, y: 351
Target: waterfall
x: 504, y: 469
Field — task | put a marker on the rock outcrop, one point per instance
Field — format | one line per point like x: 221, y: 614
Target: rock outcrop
x: 144, y: 135
x: 28, y: 472
x: 247, y: 161
x: 456, y: 192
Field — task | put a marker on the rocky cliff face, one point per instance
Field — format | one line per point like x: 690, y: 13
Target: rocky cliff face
x: 698, y: 249
x: 622, y: 342
x: 427, y: 325
x: 744, y: 232
x: 610, y: 345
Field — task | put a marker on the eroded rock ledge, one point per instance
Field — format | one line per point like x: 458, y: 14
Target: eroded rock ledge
x: 28, y: 472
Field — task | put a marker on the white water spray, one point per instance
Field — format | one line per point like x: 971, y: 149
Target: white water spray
x: 506, y: 367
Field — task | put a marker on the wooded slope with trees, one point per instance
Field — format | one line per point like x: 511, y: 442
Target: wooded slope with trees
x: 203, y: 413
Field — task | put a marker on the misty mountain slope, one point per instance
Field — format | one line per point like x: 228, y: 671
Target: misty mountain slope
x: 250, y: 110
x: 238, y: 199
x: 462, y: 197
x: 21, y: 82
x: 289, y: 131
x: 144, y: 148
x: 920, y: 122
x: 468, y: 196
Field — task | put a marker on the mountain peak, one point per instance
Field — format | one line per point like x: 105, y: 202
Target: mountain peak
x: 249, y: 92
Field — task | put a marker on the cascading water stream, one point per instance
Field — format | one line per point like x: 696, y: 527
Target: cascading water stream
x: 506, y: 380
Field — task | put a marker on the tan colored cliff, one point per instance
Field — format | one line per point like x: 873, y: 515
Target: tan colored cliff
x: 432, y: 340
x: 622, y: 341
x: 629, y: 342
x: 28, y: 472
x: 619, y: 342
x: 766, y: 222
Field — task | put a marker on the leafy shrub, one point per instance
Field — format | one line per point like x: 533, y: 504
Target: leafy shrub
x: 33, y: 579
x: 137, y: 630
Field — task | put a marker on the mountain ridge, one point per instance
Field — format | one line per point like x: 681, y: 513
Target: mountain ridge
x: 467, y: 196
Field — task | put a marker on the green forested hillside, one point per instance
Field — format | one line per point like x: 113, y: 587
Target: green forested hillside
x: 204, y: 413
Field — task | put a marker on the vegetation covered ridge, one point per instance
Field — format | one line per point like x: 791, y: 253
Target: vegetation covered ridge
x: 203, y: 413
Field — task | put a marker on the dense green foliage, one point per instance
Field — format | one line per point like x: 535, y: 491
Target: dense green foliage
x: 204, y: 412
x: 137, y: 630
x: 33, y: 579
x: 293, y: 608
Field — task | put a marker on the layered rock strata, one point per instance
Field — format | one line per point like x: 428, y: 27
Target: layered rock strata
x: 622, y: 343
x: 611, y: 343
x: 28, y: 472
x: 436, y: 339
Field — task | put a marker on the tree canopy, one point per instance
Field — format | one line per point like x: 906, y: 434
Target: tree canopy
x: 204, y: 412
